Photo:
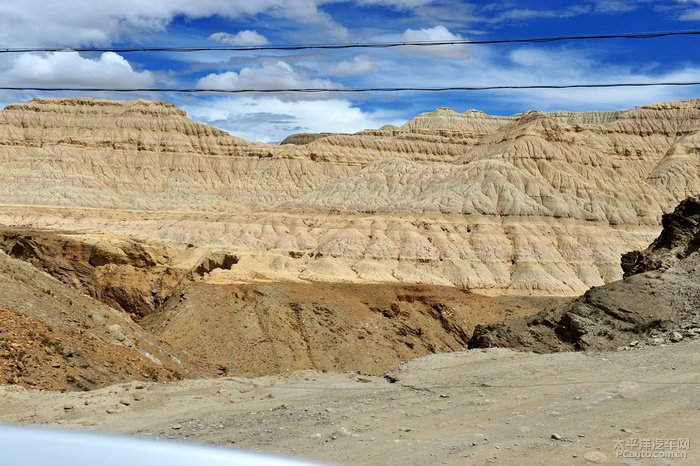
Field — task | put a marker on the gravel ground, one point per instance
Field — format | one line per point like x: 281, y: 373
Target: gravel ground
x: 492, y: 406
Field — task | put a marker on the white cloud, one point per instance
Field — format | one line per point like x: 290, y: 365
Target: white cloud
x: 613, y: 98
x: 684, y: 10
x: 271, y: 75
x: 538, y: 66
x: 69, y: 68
x: 523, y: 14
x: 519, y: 14
x: 398, y: 4
x: 554, y: 65
x: 271, y: 119
x: 359, y: 65
x: 437, y: 33
x: 692, y: 14
x: 243, y: 38
x: 615, y: 6
x: 25, y: 23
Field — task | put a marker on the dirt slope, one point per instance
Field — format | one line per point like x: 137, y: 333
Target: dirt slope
x: 54, y: 337
x: 275, y: 327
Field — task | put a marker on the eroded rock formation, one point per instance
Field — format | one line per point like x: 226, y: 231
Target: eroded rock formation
x: 532, y: 202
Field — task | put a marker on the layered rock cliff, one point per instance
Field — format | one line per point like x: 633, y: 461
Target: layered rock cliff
x: 531, y: 202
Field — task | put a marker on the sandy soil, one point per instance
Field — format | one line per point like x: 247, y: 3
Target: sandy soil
x: 490, y: 406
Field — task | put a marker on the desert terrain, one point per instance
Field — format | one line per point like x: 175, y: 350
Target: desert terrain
x: 317, y: 297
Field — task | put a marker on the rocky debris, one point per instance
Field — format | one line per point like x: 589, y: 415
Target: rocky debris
x: 623, y: 313
x: 596, y: 457
x: 118, y: 333
x: 36, y: 355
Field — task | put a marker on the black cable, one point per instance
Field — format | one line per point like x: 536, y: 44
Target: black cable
x: 358, y: 45
x: 350, y: 90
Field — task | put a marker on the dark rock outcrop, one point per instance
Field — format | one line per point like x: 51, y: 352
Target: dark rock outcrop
x: 679, y: 239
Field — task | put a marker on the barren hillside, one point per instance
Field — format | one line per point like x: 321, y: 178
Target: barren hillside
x: 137, y: 245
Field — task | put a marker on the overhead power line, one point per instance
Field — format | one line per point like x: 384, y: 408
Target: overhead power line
x: 358, y: 45
x: 348, y: 90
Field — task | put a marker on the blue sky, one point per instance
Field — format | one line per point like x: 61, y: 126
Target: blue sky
x: 123, y: 23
